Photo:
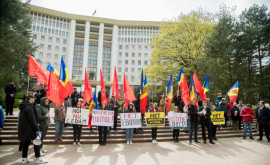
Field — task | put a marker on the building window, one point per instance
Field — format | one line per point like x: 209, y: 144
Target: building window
x: 126, y: 69
x: 145, y: 62
x: 139, y: 70
x: 78, y: 61
x: 120, y: 47
x: 48, y: 55
x: 57, y: 40
x: 139, y: 55
x: 42, y: 38
x: 45, y: 30
x: 34, y: 36
x: 64, y: 49
x: 132, y: 78
x: 49, y: 31
x: 55, y: 64
x: 126, y: 62
x: 56, y: 56
x: 145, y: 47
x: 105, y: 70
x: 139, y: 62
x: 79, y: 46
x: 133, y: 62
x: 57, y: 48
x: 119, y: 69
x: 40, y: 54
x: 120, y: 54
x: 126, y: 54
x: 50, y: 39
x: 93, y: 47
x: 133, y: 47
x: 49, y: 47
x: 106, y: 63
x: 145, y: 55
x: 41, y: 46
x: 92, y: 62
x: 106, y: 55
x: 91, y: 69
x: 140, y: 47
x: 119, y: 62
x: 78, y: 53
x: 77, y: 68
x: 119, y: 78
x: 133, y: 54
x: 127, y: 47
x: 64, y: 41
x: 132, y: 70
x: 41, y: 29
x: 91, y: 54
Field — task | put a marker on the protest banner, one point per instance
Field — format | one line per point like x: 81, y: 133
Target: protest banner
x: 131, y: 120
x: 155, y: 119
x: 77, y: 116
x: 52, y: 113
x: 218, y: 118
x: 102, y: 118
x: 177, y: 119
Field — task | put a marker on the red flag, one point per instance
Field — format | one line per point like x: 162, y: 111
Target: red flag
x: 103, y: 90
x: 185, y: 91
x: 129, y: 95
x: 55, y: 88
x: 198, y: 86
x: 35, y: 69
x: 87, y: 95
x: 115, y: 88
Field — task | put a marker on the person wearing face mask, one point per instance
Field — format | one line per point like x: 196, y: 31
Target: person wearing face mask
x: 205, y: 113
x: 154, y: 129
x: 235, y: 113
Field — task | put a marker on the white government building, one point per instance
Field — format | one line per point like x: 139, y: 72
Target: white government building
x: 93, y: 43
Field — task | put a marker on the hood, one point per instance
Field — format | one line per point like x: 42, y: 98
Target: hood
x: 131, y: 104
x: 24, y: 104
x: 42, y: 101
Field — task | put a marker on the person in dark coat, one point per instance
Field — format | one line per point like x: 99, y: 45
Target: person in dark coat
x: 116, y: 106
x: 263, y: 114
x: 137, y: 104
x: 28, y: 129
x: 178, y: 101
x: 10, y: 91
x: 41, y: 93
x: 235, y: 114
x: 74, y: 98
x: 205, y: 113
x: 193, y: 113
x: 224, y: 107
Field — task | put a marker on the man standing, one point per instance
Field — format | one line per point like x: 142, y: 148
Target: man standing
x: 193, y: 112
x: 43, y: 119
x: 235, y: 113
x: 224, y: 107
x: 28, y: 129
x: 247, y: 115
x: 263, y: 115
x: 74, y: 98
x: 116, y: 106
x: 205, y: 113
x: 240, y: 106
x: 41, y: 93
x: 10, y: 91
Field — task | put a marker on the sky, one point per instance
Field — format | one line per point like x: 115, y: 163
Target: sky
x: 144, y: 10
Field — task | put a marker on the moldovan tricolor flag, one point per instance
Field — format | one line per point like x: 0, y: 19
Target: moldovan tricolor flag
x: 180, y: 77
x: 127, y: 90
x: 93, y: 105
x: 185, y: 91
x: 233, y: 92
x: 103, y: 90
x: 50, y: 68
x: 115, y: 88
x: 206, y: 86
x: 35, y: 69
x: 143, y: 94
x: 198, y: 86
x: 169, y: 95
x: 87, y: 94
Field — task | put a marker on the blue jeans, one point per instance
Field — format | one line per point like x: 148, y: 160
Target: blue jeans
x: 59, y: 127
x: 129, y: 133
x: 193, y: 128
x: 188, y: 123
x: 249, y: 127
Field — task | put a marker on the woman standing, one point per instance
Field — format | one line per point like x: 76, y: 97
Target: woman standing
x: 193, y: 113
x: 129, y: 131
x: 77, y: 129
x: 213, y: 127
x: 176, y: 129
x: 154, y: 129
x: 59, y: 119
x: 102, y: 130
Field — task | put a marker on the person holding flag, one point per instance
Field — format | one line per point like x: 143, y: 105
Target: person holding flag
x: 143, y: 96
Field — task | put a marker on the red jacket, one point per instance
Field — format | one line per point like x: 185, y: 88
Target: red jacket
x: 151, y: 110
x: 230, y: 105
x: 245, y: 111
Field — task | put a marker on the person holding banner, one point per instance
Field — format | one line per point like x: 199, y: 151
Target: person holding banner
x: 194, y: 115
x: 176, y: 129
x: 59, y: 119
x: 77, y: 129
x: 205, y: 113
x: 213, y: 127
x: 129, y: 131
x: 102, y: 130
x: 154, y: 129
x: 247, y: 115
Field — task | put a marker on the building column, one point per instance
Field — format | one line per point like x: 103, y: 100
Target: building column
x: 113, y: 53
x: 71, y: 41
x: 86, y: 46
x: 100, y: 52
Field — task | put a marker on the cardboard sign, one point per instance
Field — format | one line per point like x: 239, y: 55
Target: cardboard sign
x: 156, y: 119
x: 218, y: 118
x: 77, y: 116
x: 102, y: 118
x: 177, y: 119
x: 131, y: 120
x: 52, y: 113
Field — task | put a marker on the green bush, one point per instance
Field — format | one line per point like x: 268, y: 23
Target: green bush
x: 17, y: 103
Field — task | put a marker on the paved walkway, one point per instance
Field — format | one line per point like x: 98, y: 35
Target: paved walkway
x: 225, y: 151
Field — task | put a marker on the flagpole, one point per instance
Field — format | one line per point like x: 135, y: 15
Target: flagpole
x: 27, y: 85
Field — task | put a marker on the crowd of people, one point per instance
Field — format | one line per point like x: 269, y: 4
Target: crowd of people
x: 34, y: 118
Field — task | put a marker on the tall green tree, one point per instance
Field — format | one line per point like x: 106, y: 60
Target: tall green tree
x: 15, y: 42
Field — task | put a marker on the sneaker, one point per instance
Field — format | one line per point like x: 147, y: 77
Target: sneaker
x: 153, y: 141
x: 127, y: 142
x: 212, y: 142
x: 190, y: 143
x: 156, y: 142
x: 41, y: 161
x: 26, y: 160
x: 41, y: 153
x: 197, y: 142
x: 78, y: 143
x: 130, y: 142
x: 74, y: 144
x: 44, y: 151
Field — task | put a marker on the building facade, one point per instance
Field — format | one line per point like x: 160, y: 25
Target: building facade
x: 93, y: 43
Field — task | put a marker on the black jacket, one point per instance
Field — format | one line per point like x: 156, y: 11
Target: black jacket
x: 263, y: 117
x: 178, y: 102
x: 137, y: 103
x: 224, y: 107
x: 10, y: 89
x: 233, y: 109
x: 207, y: 115
x: 193, y: 113
x: 28, y: 125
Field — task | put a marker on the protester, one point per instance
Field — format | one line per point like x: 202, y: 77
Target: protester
x: 129, y: 131
x: 59, y: 119
x: 74, y: 98
x: 28, y: 130
x: 137, y: 107
x: 230, y: 105
x: 67, y: 104
x: 187, y: 128
x: 162, y: 103
x: 247, y: 115
x: 43, y: 120
x: 102, y: 130
x: 10, y: 91
x: 178, y: 101
x: 209, y: 104
x: 240, y: 106
x: 213, y: 127
x: 41, y: 93
x: 30, y: 92
x: 235, y: 113
x: 116, y: 106
x: 193, y: 113
x: 176, y: 129
x: 205, y: 120
x: 219, y: 97
x: 154, y: 129
x: 2, y: 123
x: 263, y: 115
x: 224, y: 107
x: 77, y: 129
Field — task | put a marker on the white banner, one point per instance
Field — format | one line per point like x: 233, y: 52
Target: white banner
x: 102, y: 118
x: 131, y: 120
x: 177, y: 119
x: 77, y: 116
x: 52, y: 113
